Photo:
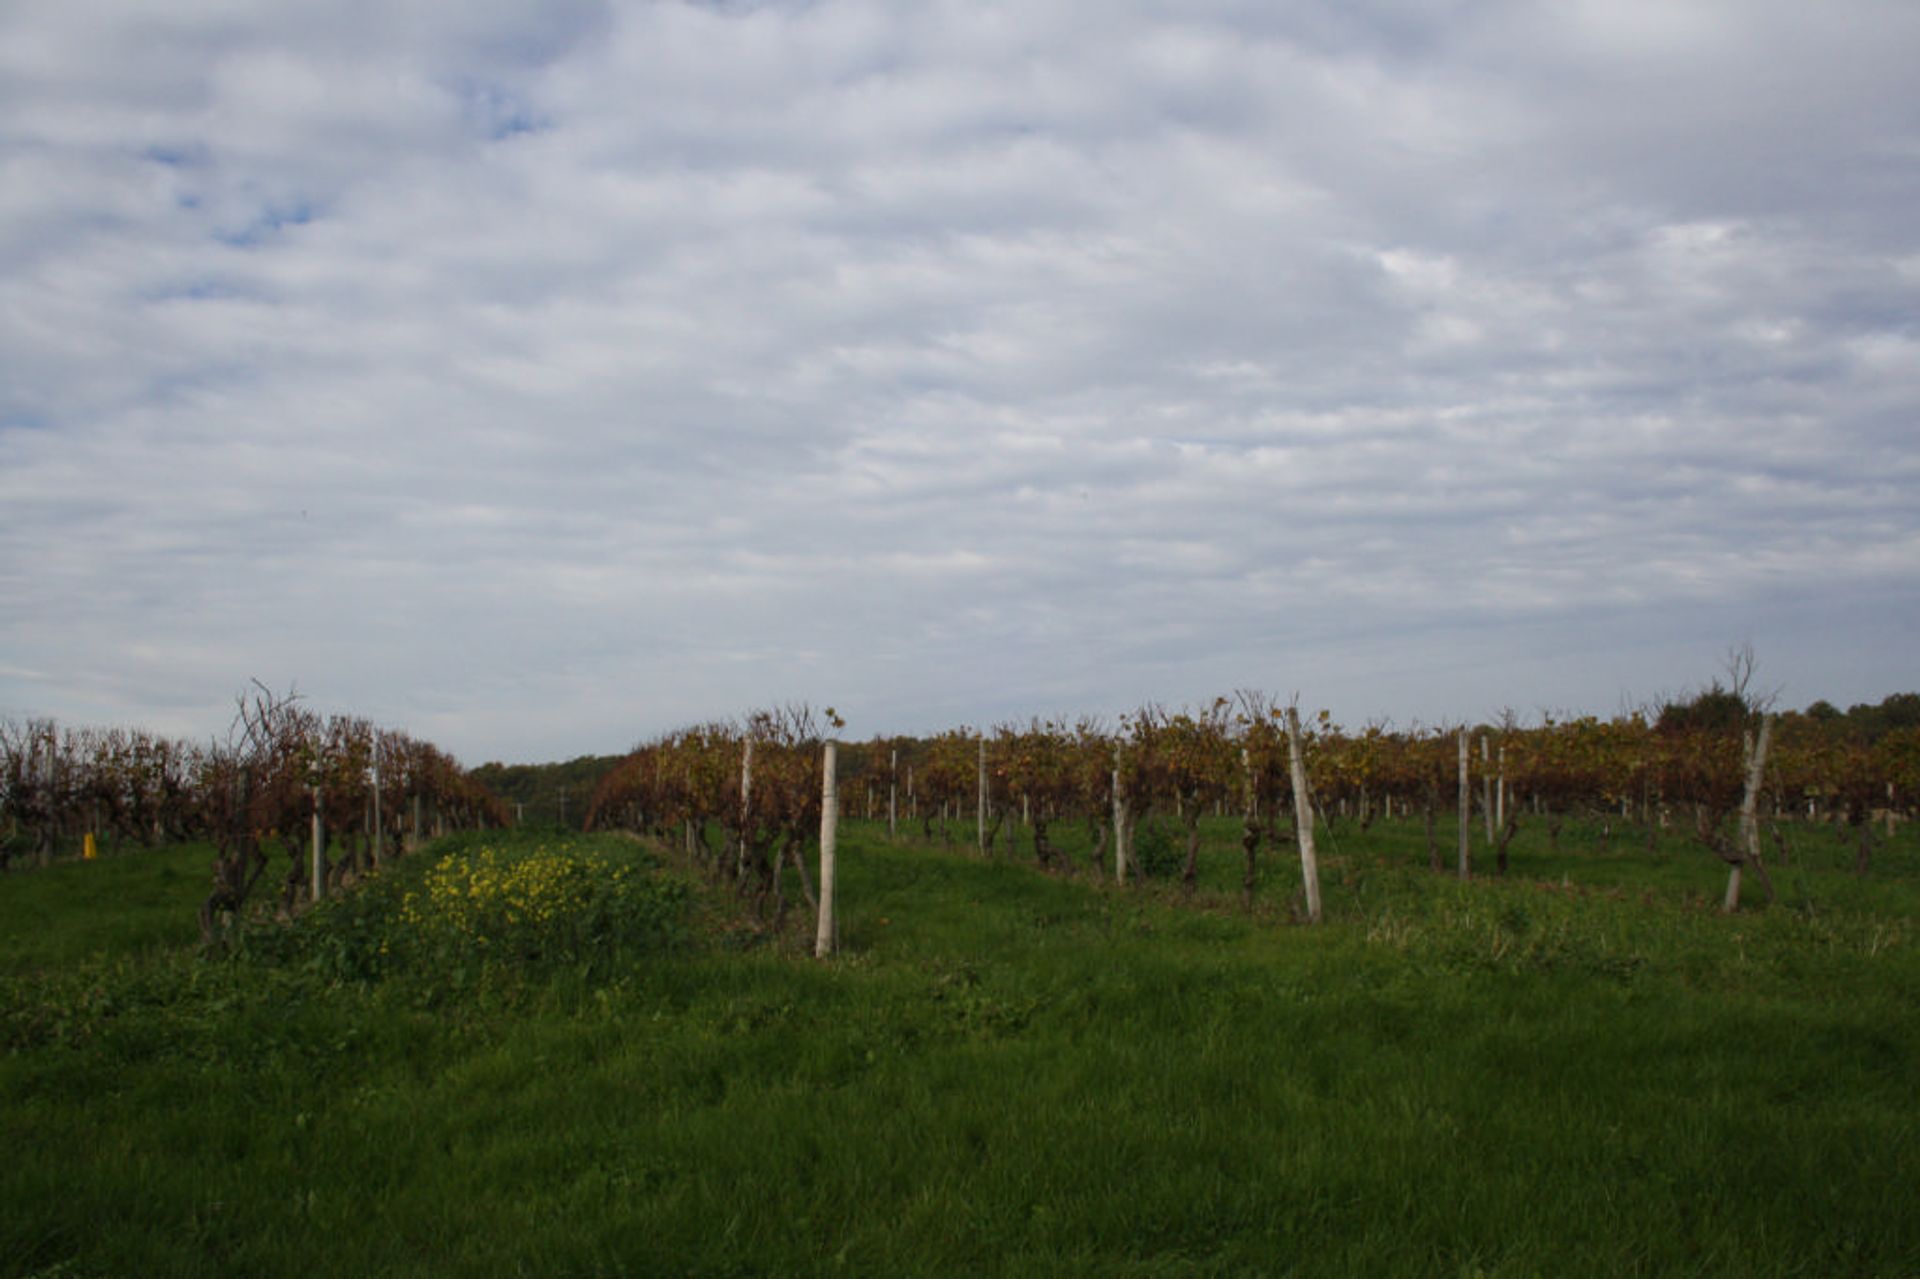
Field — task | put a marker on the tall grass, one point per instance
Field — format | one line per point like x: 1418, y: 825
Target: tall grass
x: 1579, y: 1071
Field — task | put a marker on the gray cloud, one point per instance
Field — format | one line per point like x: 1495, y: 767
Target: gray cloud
x: 539, y: 379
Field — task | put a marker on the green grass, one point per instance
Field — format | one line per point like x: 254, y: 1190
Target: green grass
x: 1581, y: 1071
x: 124, y: 905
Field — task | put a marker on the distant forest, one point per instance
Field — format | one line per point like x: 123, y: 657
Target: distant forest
x: 1902, y: 710
x: 546, y: 794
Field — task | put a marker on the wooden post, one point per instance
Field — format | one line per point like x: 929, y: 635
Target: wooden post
x: 1119, y: 824
x: 746, y: 812
x: 1303, y: 817
x: 823, y: 938
x: 1500, y: 795
x: 893, y: 794
x: 50, y: 826
x: 1249, y: 829
x: 1466, y: 808
x: 1749, y: 810
x: 319, y: 858
x: 1486, y: 786
x: 379, y: 838
x: 980, y: 819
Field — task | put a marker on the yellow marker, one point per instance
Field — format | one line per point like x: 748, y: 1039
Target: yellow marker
x: 87, y: 849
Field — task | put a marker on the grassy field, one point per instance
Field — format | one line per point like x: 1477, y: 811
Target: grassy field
x: 1580, y: 1070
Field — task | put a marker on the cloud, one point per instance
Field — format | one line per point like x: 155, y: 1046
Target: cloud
x: 538, y: 378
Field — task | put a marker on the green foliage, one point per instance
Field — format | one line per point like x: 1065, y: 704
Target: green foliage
x: 1584, y: 1070
x: 1715, y: 708
x: 484, y: 905
x: 551, y: 795
x: 1901, y: 710
x: 1156, y: 850
x: 121, y: 906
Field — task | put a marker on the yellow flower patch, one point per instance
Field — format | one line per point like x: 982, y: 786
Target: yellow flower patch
x: 550, y: 903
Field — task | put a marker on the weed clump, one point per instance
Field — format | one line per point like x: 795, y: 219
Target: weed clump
x: 484, y: 907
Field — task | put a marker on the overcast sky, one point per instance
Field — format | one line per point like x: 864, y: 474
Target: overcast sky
x: 539, y: 378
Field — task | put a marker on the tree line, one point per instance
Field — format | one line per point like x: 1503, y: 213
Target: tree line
x: 555, y: 794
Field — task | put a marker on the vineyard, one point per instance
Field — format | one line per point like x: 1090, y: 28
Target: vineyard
x: 1178, y: 994
x: 1714, y: 767
x: 336, y: 795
